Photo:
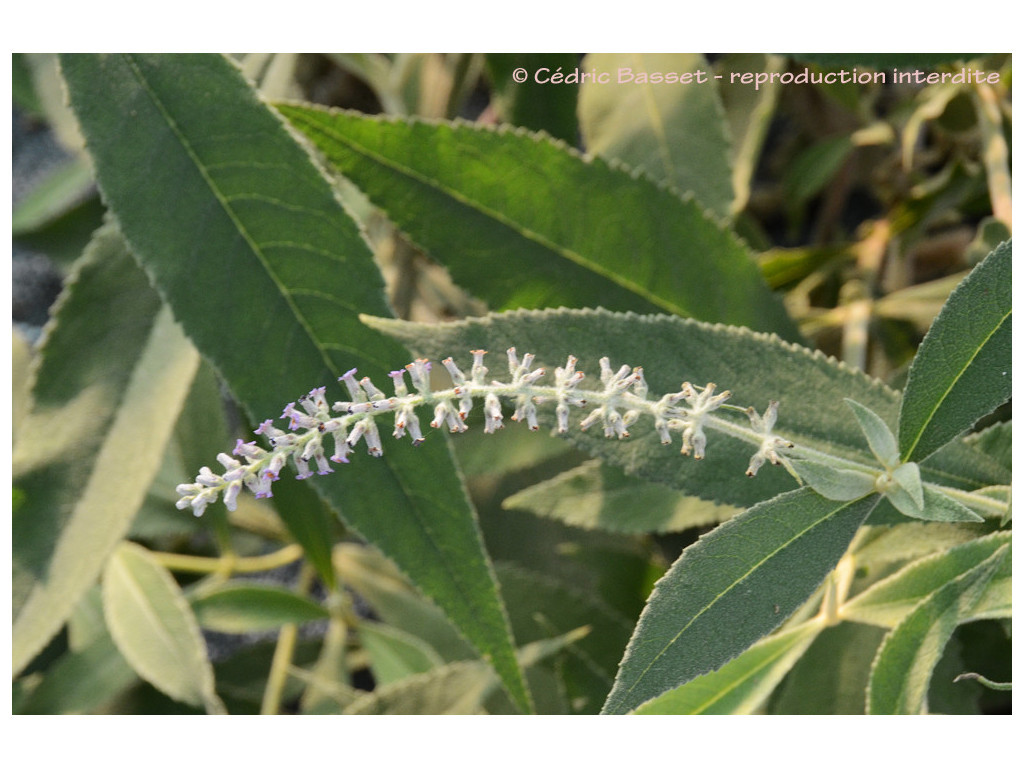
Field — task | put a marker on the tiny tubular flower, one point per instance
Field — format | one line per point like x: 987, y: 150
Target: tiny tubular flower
x: 770, y: 444
x: 372, y: 393
x: 458, y: 377
x: 419, y: 374
x: 479, y: 371
x: 298, y: 419
x: 398, y: 377
x: 492, y: 413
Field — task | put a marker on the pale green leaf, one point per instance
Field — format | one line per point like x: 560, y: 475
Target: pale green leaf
x: 61, y: 191
x: 903, y: 667
x: 734, y: 586
x: 962, y: 369
x: 749, y: 113
x: 908, y: 478
x: 459, y: 688
x: 523, y: 221
x: 832, y: 482
x: 111, y: 378
x: 328, y: 686
x: 743, y: 684
x: 887, y: 602
x: 880, y: 438
x: 882, y: 546
x: 395, y: 654
x: 154, y: 628
x: 673, y: 131
x: 995, y: 441
x: 597, y: 495
x: 248, y: 243
x: 943, y: 508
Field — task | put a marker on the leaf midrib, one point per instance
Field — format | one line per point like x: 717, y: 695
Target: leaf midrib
x: 953, y: 382
x: 733, y: 585
x: 521, y: 229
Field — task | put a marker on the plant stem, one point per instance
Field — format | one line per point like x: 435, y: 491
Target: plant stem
x: 282, y: 661
x: 232, y: 564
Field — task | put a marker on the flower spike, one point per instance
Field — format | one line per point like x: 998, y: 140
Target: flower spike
x: 620, y: 402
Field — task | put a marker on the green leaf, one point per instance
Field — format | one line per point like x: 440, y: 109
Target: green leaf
x: 880, y: 438
x: 541, y: 607
x: 903, y: 666
x: 81, y: 681
x: 393, y: 599
x: 328, y: 686
x: 238, y: 607
x: 908, y: 478
x: 888, y: 602
x: 395, y: 654
x: 883, y: 546
x: 536, y: 224
x: 995, y: 441
x: 833, y: 483
x: 596, y: 495
x: 534, y: 105
x: 813, y: 168
x: 749, y: 113
x: 742, y: 685
x: 459, y: 688
x: 962, y: 369
x: 756, y: 368
x: 732, y: 587
x: 154, y: 628
x: 111, y: 378
x: 942, y: 508
x: 831, y: 677
x: 60, y: 192
x: 674, y: 132
x: 267, y: 272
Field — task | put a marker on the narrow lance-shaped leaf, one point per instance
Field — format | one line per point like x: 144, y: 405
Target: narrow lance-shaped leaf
x: 538, y: 225
x: 112, y: 376
x: 756, y: 368
x: 905, y: 660
x: 962, y: 369
x: 154, y: 628
x: 886, y: 603
x: 673, y: 131
x: 743, y: 684
x: 239, y: 607
x: 597, y: 495
x: 267, y: 273
x: 734, y: 586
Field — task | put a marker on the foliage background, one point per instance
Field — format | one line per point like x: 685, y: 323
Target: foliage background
x: 864, y: 206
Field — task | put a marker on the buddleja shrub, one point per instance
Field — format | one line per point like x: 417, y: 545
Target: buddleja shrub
x: 857, y: 524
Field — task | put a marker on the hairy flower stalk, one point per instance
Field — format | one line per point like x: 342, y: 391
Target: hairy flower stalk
x: 314, y: 426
